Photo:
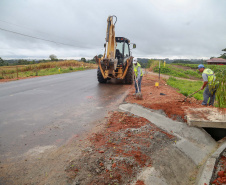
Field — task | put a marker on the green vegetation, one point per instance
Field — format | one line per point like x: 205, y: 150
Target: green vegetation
x: 42, y: 69
x: 53, y: 57
x: 186, y: 87
x: 176, y: 72
x: 153, y: 63
x: 2, y: 62
x: 187, y: 62
x: 172, y: 70
x: 83, y: 59
x: 221, y: 92
x: 50, y: 71
x: 220, y: 72
x: 215, y: 68
x: 224, y: 54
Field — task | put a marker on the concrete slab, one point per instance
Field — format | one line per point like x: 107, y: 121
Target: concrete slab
x: 206, y: 117
x: 208, y: 168
x: 207, y: 124
x: 207, y: 172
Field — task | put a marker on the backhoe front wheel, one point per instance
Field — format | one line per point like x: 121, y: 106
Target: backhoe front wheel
x: 100, y: 77
x: 129, y: 75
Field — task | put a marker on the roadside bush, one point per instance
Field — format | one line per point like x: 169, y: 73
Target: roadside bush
x: 170, y: 71
x: 221, y: 91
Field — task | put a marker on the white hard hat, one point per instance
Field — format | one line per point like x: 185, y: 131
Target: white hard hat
x: 134, y: 60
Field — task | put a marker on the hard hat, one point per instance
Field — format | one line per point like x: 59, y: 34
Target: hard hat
x: 200, y: 66
x: 134, y: 60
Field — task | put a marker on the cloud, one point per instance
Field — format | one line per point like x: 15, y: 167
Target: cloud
x: 188, y: 28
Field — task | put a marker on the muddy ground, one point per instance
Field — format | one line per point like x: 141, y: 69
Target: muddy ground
x: 115, y: 152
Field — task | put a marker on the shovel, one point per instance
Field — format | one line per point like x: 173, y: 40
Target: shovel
x: 191, y: 95
x: 138, y: 94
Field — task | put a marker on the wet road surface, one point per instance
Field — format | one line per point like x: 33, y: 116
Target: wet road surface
x: 53, y: 109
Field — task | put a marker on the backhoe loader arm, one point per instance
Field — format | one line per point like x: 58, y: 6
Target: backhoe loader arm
x: 110, y: 38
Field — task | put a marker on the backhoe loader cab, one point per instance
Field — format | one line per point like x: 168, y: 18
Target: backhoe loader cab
x: 117, y: 59
x: 122, y: 48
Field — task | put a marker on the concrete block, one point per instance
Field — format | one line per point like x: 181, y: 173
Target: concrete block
x: 206, y: 117
x: 208, y: 124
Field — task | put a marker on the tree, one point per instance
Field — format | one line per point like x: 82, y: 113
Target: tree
x: 100, y: 55
x: 53, y: 57
x: 224, y: 54
x: 2, y: 62
x: 83, y: 59
x: 22, y: 62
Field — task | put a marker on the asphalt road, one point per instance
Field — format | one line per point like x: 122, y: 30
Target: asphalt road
x: 53, y: 109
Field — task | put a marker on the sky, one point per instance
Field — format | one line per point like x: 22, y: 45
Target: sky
x: 72, y: 29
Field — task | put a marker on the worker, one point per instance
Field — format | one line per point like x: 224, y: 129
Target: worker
x: 209, y: 83
x: 138, y: 75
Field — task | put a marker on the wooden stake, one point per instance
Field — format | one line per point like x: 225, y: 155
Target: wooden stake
x: 17, y: 71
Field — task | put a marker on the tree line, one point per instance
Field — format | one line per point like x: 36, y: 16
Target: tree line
x: 52, y: 58
x: 145, y: 63
x: 224, y: 54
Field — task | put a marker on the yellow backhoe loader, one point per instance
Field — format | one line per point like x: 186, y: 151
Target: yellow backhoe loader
x: 117, y: 61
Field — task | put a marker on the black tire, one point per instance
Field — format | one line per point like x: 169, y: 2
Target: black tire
x: 100, y: 77
x: 129, y: 75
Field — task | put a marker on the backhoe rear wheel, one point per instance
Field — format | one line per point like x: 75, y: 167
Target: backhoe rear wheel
x: 100, y: 77
x: 129, y: 75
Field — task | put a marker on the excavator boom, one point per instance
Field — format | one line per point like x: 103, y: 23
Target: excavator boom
x: 110, y: 38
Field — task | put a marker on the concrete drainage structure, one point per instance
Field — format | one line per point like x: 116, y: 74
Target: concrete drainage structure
x: 178, y: 161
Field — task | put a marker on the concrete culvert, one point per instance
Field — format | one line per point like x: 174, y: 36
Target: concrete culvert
x: 216, y: 133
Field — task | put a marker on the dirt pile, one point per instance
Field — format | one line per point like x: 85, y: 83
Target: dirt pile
x: 163, y: 97
x: 119, y: 152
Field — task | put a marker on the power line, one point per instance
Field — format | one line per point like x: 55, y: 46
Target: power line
x: 15, y: 24
x: 28, y: 28
x: 24, y: 27
x: 36, y: 37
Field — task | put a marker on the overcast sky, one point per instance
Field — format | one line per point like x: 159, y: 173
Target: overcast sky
x: 161, y: 29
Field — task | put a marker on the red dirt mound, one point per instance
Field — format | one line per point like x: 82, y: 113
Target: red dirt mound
x: 163, y: 97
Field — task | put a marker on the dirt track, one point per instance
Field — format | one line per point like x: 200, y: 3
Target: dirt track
x: 115, y: 153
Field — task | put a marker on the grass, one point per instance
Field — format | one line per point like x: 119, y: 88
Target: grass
x: 186, y: 87
x: 176, y: 72
x: 170, y: 69
x: 56, y: 70
x: 220, y: 72
x: 45, y: 72
x: 215, y: 68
